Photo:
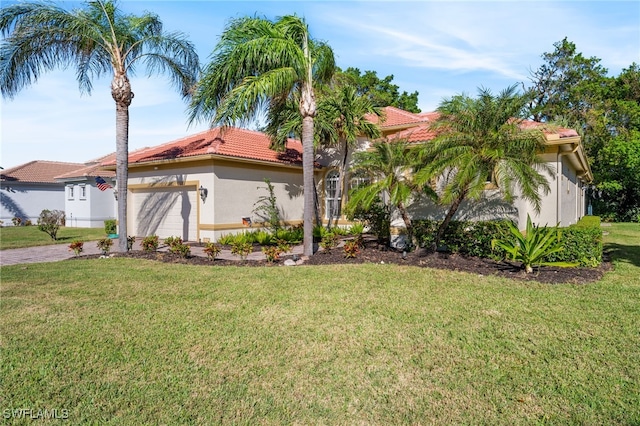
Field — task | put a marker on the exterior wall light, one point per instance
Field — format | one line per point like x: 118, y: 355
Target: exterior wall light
x: 203, y: 193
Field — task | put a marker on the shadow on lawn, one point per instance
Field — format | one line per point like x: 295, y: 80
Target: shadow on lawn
x: 623, y: 253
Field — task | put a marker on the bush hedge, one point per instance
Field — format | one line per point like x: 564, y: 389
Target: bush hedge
x: 582, y: 242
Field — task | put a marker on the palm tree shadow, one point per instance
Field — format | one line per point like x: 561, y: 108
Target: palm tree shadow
x: 623, y: 253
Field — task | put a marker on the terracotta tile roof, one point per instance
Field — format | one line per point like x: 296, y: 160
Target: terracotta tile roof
x: 91, y: 169
x: 228, y: 142
x: 38, y: 171
x: 397, y: 117
x: 422, y: 133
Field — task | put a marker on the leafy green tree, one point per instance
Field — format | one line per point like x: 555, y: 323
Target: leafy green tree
x: 566, y: 86
x: 479, y: 139
x: 389, y: 164
x: 381, y: 92
x: 97, y: 39
x: 260, y: 63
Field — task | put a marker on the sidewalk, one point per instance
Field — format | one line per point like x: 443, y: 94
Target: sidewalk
x: 57, y: 252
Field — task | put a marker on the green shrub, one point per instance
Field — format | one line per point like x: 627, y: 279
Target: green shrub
x: 377, y: 218
x: 171, y: 242
x: 356, y: 229
x: 272, y: 253
x: 470, y: 238
x: 150, y: 243
x: 50, y: 222
x: 580, y: 244
x: 183, y: 250
x: 292, y: 236
x: 212, y: 250
x: 226, y: 239
x: 589, y: 222
x: 110, y: 226
x: 329, y: 241
x: 28, y: 222
x: 264, y: 238
x: 104, y: 245
x: 284, y: 246
x: 241, y: 248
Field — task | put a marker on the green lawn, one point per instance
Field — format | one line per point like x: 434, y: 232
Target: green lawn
x: 31, y: 236
x: 136, y: 342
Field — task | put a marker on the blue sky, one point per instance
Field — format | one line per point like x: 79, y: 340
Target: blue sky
x: 438, y: 48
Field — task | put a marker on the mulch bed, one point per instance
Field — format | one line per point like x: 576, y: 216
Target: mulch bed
x: 373, y: 253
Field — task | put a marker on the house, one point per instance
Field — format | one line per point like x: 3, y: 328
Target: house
x: 87, y: 204
x: 27, y: 189
x: 205, y: 185
x: 564, y: 152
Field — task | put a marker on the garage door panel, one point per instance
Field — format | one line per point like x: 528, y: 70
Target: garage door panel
x: 166, y: 212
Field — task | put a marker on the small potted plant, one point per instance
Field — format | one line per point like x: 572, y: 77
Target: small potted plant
x: 105, y: 245
x: 76, y: 246
x: 110, y: 227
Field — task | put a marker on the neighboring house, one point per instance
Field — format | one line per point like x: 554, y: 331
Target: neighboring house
x: 207, y: 184
x: 28, y: 189
x: 85, y: 204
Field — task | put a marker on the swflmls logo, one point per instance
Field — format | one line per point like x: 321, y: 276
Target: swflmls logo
x: 29, y: 413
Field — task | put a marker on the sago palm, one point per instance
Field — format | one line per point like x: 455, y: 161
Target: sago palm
x: 258, y: 63
x: 481, y: 138
x: 96, y: 39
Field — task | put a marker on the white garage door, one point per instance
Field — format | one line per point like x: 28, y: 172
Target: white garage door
x: 166, y: 212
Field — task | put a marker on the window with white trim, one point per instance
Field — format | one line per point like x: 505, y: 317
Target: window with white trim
x: 332, y: 203
x: 83, y: 192
x: 70, y: 192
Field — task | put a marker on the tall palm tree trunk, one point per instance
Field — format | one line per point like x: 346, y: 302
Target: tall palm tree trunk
x: 407, y: 222
x: 121, y: 93
x: 307, y: 183
x: 342, y: 169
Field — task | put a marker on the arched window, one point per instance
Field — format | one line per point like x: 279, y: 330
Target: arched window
x: 332, y: 204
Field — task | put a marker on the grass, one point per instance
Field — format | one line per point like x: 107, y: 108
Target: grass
x: 135, y: 342
x: 31, y: 236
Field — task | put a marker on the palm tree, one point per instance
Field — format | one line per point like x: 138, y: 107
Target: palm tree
x: 479, y: 140
x: 345, y: 112
x: 260, y: 63
x: 97, y: 39
x: 341, y: 118
x: 389, y: 165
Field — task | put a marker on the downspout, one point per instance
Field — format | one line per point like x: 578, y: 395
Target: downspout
x: 559, y: 169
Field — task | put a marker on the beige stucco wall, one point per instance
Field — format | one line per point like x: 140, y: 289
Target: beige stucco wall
x: 233, y: 188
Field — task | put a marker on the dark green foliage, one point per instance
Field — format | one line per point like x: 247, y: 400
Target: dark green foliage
x: 110, y: 226
x: 50, y: 222
x: 377, y: 217
x: 582, y: 243
x: 469, y: 238
x: 380, y: 91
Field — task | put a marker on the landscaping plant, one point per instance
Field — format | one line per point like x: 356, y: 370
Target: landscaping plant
x: 150, y: 243
x: 533, y: 246
x: 266, y: 208
x: 104, y: 245
x: 241, y: 248
x: 272, y: 253
x: 212, y: 250
x: 50, y: 222
x: 351, y: 248
x: 76, y: 246
x: 329, y: 241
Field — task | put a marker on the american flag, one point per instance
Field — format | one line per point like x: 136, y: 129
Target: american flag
x: 102, y: 184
